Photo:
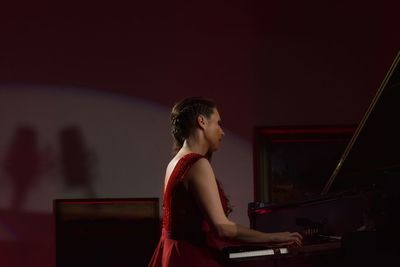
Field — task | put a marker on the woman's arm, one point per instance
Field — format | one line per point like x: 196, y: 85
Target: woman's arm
x: 202, y: 184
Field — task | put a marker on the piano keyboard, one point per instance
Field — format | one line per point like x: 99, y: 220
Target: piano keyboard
x: 248, y: 252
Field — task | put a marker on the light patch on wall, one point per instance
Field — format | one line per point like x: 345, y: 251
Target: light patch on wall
x: 85, y: 143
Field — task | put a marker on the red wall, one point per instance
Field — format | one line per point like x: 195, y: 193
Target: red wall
x: 253, y: 56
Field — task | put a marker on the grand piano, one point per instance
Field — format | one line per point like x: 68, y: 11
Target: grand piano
x: 354, y: 221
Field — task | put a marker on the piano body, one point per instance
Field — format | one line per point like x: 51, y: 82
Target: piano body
x: 354, y: 221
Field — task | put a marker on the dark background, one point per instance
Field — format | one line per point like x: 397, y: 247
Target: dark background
x: 308, y: 62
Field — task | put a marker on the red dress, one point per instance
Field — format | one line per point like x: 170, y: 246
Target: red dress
x: 187, y: 239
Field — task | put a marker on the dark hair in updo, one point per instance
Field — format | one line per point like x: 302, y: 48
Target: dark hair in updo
x: 184, y: 115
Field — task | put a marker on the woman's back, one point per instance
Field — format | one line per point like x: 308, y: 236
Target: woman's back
x: 182, y: 217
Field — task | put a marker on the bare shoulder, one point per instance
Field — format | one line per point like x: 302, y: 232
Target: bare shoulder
x: 201, y: 165
x: 201, y: 170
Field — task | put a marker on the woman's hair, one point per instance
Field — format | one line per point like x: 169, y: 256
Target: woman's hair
x: 184, y: 115
x: 183, y: 119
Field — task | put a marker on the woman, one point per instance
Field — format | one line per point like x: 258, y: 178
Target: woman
x: 195, y: 222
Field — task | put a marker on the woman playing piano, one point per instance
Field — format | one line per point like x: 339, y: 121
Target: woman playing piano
x: 195, y: 209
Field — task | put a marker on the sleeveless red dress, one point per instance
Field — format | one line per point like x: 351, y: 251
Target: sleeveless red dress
x: 187, y: 238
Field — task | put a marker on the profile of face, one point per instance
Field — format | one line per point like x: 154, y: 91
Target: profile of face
x: 213, y: 130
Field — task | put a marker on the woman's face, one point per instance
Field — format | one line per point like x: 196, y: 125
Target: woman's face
x: 213, y: 131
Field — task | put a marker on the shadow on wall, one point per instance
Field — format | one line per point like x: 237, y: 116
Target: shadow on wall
x: 77, y: 161
x: 24, y: 162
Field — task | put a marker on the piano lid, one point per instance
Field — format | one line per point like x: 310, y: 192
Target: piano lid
x: 372, y: 157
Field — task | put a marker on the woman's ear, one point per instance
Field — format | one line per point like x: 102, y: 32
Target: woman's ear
x: 201, y: 121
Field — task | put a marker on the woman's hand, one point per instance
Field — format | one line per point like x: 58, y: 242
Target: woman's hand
x: 280, y: 239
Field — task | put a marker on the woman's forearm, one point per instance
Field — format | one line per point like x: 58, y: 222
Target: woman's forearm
x: 244, y: 234
x: 237, y: 232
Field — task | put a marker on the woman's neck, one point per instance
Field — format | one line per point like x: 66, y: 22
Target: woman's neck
x: 193, y: 145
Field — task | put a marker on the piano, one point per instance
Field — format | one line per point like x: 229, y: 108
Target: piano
x: 355, y: 219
